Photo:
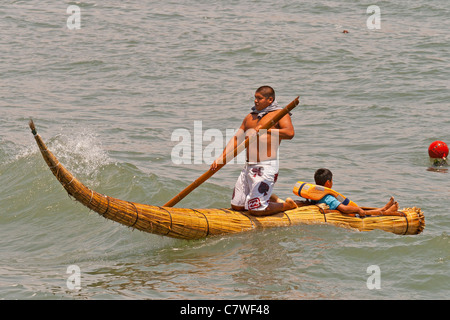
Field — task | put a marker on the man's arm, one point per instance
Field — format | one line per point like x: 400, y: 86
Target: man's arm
x: 285, y: 128
x: 231, y: 145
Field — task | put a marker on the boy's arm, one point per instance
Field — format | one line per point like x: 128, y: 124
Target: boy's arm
x: 351, y: 209
x: 334, y: 204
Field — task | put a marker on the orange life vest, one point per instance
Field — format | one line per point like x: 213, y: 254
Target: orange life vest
x: 316, y: 192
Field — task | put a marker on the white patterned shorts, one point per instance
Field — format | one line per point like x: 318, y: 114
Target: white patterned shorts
x: 255, y: 184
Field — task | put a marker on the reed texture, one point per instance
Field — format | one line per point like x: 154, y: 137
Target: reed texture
x: 191, y: 224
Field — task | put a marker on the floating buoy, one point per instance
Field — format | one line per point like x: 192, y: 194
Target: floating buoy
x: 438, y: 150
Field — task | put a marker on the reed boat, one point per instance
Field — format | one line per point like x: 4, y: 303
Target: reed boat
x: 184, y: 223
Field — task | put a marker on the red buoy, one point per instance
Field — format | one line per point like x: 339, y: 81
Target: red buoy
x: 438, y: 150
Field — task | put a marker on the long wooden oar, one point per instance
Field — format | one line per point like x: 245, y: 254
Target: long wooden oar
x: 228, y: 156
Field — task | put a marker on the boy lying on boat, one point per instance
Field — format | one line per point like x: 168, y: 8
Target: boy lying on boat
x: 322, y: 193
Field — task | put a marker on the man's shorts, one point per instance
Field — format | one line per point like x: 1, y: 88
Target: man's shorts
x: 255, y: 185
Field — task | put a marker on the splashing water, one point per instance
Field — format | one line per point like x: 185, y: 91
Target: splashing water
x: 81, y: 152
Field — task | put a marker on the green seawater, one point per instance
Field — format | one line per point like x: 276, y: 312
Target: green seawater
x: 108, y: 97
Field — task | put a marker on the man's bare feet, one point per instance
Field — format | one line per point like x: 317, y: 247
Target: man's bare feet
x: 275, y: 198
x: 290, y: 203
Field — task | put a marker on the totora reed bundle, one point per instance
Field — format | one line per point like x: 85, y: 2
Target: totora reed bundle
x: 186, y: 223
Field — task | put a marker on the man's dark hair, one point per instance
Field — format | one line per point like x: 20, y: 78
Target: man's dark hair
x: 322, y: 175
x: 266, y: 91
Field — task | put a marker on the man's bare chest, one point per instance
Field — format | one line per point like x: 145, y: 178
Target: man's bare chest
x: 252, y: 122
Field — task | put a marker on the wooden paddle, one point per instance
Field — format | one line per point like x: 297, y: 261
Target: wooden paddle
x: 267, y: 125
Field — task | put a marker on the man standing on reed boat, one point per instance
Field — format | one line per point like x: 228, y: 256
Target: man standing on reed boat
x: 255, y: 184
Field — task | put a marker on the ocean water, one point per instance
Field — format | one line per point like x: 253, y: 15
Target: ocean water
x: 110, y: 96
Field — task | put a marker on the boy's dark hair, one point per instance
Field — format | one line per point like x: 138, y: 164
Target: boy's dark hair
x: 322, y: 175
x: 266, y: 91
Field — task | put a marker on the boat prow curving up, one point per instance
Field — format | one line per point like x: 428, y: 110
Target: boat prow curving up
x: 192, y: 224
